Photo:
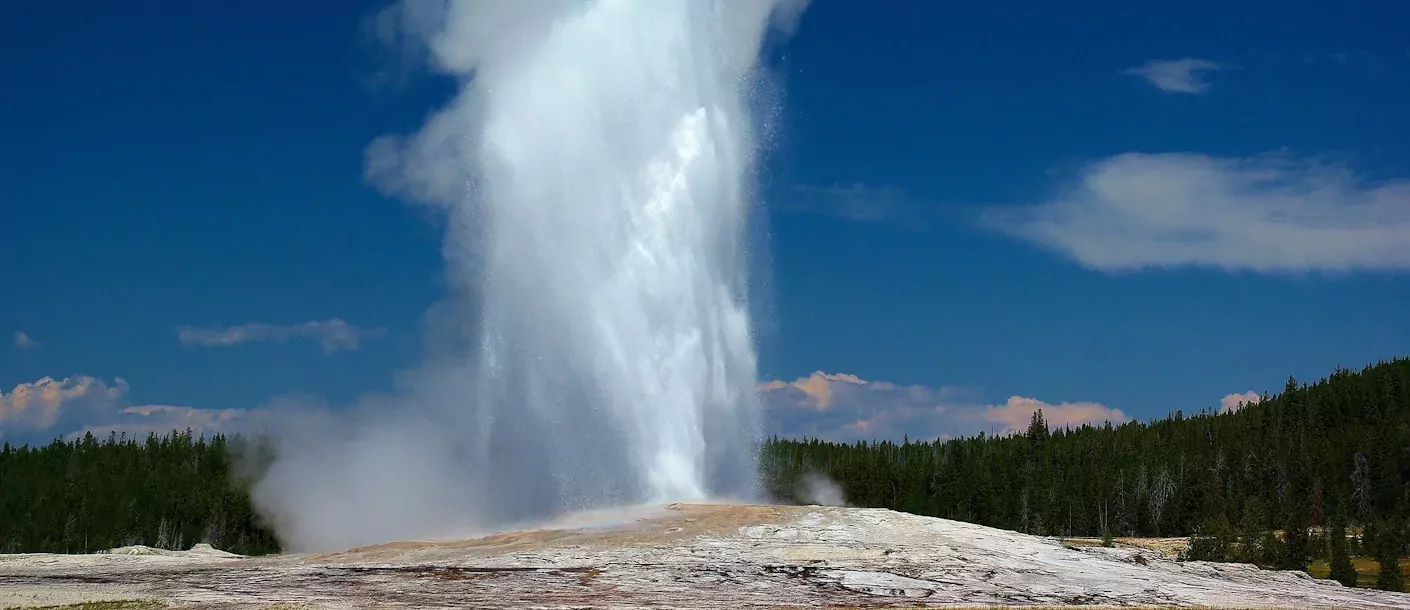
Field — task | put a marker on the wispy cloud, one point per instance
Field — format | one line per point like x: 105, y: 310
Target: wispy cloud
x: 1360, y: 60
x: 841, y: 406
x: 856, y: 202
x: 1271, y: 213
x: 1176, y: 75
x: 142, y: 419
x: 23, y: 341
x: 333, y: 334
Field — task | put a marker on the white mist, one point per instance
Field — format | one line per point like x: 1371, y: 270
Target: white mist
x: 595, y: 171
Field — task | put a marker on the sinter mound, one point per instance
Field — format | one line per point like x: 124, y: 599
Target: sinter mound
x: 687, y: 556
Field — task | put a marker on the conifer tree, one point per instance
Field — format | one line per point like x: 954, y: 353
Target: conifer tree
x: 1212, y: 541
x: 1385, y: 543
x: 1251, y: 530
x: 1342, y: 570
x: 1296, y: 549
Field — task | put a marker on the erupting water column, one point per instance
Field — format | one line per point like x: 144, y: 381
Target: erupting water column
x: 613, y: 161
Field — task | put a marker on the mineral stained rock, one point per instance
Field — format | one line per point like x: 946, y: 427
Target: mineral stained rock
x: 684, y: 556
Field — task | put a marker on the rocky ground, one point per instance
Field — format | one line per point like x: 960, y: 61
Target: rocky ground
x: 684, y: 556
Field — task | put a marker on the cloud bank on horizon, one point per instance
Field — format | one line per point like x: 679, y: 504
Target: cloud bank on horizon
x: 844, y: 407
x: 49, y: 408
x: 831, y: 406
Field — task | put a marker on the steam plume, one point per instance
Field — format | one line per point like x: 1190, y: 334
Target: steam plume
x: 816, y: 488
x: 595, y: 171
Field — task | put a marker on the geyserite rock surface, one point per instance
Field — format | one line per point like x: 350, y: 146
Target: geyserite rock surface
x: 688, y: 556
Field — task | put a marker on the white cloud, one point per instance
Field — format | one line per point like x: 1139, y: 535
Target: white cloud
x: 1176, y: 75
x: 1270, y: 213
x: 333, y: 334
x: 1018, y: 411
x: 49, y: 408
x: 23, y: 341
x: 1236, y: 401
x: 40, y: 405
x: 845, y: 407
x: 816, y: 387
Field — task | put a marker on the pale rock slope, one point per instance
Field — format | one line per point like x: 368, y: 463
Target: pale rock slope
x: 684, y: 556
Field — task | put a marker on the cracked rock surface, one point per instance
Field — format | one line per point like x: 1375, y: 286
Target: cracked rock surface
x: 684, y: 556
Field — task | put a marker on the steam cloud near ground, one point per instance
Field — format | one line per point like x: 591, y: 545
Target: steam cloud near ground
x: 821, y: 490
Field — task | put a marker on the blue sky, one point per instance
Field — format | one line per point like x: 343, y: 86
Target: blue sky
x: 977, y: 210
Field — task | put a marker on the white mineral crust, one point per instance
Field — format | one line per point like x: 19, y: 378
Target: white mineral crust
x: 684, y: 556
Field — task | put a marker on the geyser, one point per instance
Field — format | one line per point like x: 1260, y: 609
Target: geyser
x: 595, y: 171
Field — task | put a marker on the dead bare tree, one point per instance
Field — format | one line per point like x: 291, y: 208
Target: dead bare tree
x: 1361, y: 487
x: 1162, y: 488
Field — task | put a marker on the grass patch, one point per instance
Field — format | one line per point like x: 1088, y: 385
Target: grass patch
x: 1366, y: 570
x: 1169, y: 547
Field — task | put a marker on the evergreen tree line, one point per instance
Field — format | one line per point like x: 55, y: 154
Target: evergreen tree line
x: 168, y: 492
x: 1277, y: 483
